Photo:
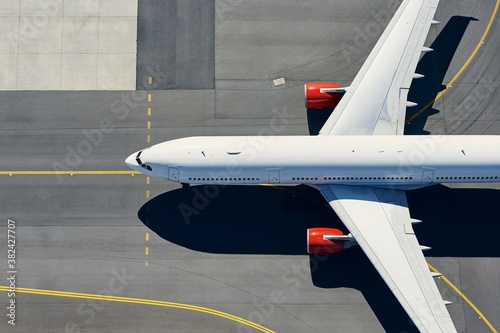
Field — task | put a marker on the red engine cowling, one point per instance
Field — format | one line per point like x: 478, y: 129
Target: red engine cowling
x: 317, y: 244
x: 316, y: 99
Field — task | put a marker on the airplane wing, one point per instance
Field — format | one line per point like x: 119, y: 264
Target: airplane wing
x: 376, y: 101
x: 380, y: 222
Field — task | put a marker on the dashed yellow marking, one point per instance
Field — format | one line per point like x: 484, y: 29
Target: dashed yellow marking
x: 148, y: 138
x: 149, y: 98
x: 148, y: 180
x: 149, y: 125
x: 147, y: 194
x: 81, y: 172
x: 459, y: 292
x: 146, y: 264
x: 147, y: 236
x: 146, y: 251
x: 131, y: 300
x: 149, y: 111
x: 478, y: 46
x: 150, y: 80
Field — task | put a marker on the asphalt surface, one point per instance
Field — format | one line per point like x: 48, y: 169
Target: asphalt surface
x: 239, y: 250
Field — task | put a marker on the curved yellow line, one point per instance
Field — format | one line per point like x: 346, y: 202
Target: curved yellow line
x: 141, y: 301
x: 458, y: 291
x: 82, y: 172
x: 438, y: 96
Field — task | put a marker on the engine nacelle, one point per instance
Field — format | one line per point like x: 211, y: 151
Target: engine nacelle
x: 322, y: 95
x: 327, y: 241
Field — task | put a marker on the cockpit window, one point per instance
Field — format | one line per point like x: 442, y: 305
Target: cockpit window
x: 138, y: 160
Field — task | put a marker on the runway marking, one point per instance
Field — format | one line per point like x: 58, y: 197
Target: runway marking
x: 121, y: 299
x: 459, y: 292
x: 81, y: 172
x: 478, y: 46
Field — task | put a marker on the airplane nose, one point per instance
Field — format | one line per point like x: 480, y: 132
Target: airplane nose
x: 131, y: 162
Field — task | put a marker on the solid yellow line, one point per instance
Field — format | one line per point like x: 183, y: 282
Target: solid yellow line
x: 458, y: 291
x: 140, y: 301
x: 478, y: 46
x: 87, y: 172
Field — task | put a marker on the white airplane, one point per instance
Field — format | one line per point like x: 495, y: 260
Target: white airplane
x: 360, y: 162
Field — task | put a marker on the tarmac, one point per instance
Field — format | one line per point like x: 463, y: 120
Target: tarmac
x: 102, y: 249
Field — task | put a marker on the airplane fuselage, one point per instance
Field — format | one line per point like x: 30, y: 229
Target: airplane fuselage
x: 403, y: 162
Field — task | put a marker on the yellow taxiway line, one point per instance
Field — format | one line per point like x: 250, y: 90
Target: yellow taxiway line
x: 466, y: 64
x: 141, y: 301
x: 465, y: 298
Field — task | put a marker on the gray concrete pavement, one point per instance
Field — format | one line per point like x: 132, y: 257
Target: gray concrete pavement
x: 77, y: 233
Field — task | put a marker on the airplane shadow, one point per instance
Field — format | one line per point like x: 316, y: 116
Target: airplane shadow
x: 434, y: 66
x: 352, y: 269
x: 273, y: 221
x: 316, y: 118
x: 238, y: 219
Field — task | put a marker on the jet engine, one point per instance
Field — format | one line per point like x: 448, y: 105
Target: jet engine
x: 322, y: 95
x: 327, y: 241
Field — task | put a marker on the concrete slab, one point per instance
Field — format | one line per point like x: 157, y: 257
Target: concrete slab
x: 45, y: 39
x: 9, y: 34
x: 75, y: 73
x: 115, y: 34
x: 10, y: 8
x: 116, y: 71
x: 8, y: 71
x: 39, y: 71
x: 118, y: 8
x: 68, y: 30
x: 80, y: 34
x: 81, y: 8
x: 38, y: 11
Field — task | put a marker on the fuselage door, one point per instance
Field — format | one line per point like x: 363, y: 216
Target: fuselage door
x: 427, y: 176
x: 173, y: 174
x: 274, y: 177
